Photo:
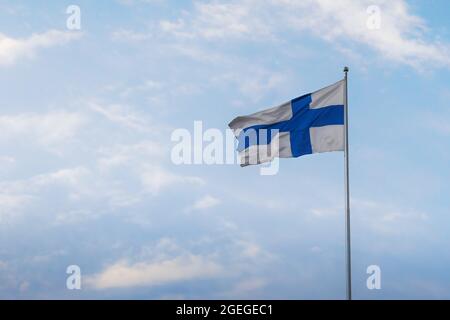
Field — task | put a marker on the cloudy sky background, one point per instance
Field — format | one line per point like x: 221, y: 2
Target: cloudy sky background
x: 85, y: 170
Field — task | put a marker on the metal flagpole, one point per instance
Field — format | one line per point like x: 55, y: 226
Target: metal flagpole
x: 347, y: 195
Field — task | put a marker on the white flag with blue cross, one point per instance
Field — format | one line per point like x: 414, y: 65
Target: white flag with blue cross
x: 312, y: 123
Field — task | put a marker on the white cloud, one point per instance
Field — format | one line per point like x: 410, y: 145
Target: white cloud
x: 204, y: 203
x: 13, y: 9
x: 379, y: 226
x: 147, y: 86
x: 121, y: 115
x: 273, y: 203
x: 247, y: 286
x: 439, y: 123
x: 11, y: 205
x: 253, y: 82
x: 144, y: 161
x: 48, y: 129
x: 186, y: 267
x: 18, y: 196
x: 129, y: 154
x: 131, y: 36
x: 76, y: 179
x: 6, y: 160
x: 155, y: 178
x: 12, y: 50
x: 120, y: 175
x: 401, y: 38
x: 6, y: 164
x: 326, y: 211
x: 218, y: 20
x: 388, y: 219
x: 70, y: 177
x: 134, y: 2
x: 381, y: 218
x: 316, y: 249
x: 72, y: 217
x: 250, y: 249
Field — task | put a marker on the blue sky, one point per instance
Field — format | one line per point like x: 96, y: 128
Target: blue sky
x: 86, y: 176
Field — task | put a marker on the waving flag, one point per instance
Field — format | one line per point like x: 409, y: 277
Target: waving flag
x: 312, y: 123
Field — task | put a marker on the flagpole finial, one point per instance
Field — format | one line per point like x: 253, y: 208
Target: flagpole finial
x: 346, y: 69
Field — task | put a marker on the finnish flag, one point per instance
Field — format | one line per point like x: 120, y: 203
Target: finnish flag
x: 312, y: 123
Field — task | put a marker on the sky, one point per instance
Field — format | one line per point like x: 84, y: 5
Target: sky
x: 87, y: 179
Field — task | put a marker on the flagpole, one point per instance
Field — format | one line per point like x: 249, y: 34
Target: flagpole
x: 347, y: 196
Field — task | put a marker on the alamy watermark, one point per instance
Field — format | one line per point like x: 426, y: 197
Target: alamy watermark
x: 374, y: 280
x: 73, y: 22
x: 219, y: 147
x: 73, y: 281
x: 374, y: 17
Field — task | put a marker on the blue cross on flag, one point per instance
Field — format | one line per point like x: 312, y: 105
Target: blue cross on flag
x: 312, y: 123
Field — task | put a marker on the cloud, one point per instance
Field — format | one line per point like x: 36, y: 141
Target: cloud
x: 114, y: 175
x: 273, y: 203
x: 143, y: 160
x: 378, y: 217
x: 388, y: 219
x: 250, y: 249
x: 135, y: 2
x: 129, y: 154
x: 76, y: 179
x: 121, y: 115
x: 72, y: 177
x: 148, y: 85
x: 204, y: 203
x: 130, y: 36
x: 246, y: 287
x: 48, y: 129
x: 6, y: 164
x: 218, y: 20
x: 155, y: 178
x: 380, y: 226
x: 11, y: 205
x: 255, y: 82
x: 438, y: 123
x: 401, y: 38
x: 166, y: 262
x: 6, y: 160
x: 82, y: 185
x: 72, y: 217
x: 183, y: 268
x: 12, y: 50
x: 13, y: 9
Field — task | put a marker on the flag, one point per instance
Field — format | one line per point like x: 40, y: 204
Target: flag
x: 312, y: 123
